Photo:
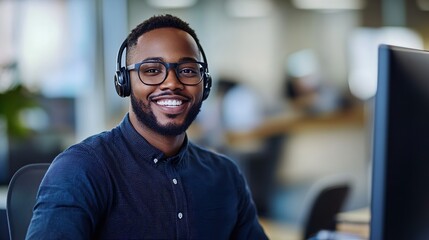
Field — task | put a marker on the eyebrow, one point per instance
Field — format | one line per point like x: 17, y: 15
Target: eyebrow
x: 160, y: 59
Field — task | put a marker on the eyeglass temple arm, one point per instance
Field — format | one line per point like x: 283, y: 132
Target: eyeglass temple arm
x: 131, y: 67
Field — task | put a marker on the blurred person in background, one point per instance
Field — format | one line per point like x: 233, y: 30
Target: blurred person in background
x: 305, y: 88
x: 144, y: 179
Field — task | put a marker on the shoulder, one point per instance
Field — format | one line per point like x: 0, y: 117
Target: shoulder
x: 87, y: 148
x: 212, y: 159
x: 84, y: 157
x: 96, y: 145
x: 206, y: 153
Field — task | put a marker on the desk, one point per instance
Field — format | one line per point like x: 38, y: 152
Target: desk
x: 355, y: 222
x: 280, y: 231
x: 292, y: 123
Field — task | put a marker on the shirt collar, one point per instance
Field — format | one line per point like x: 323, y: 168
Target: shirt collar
x: 144, y: 149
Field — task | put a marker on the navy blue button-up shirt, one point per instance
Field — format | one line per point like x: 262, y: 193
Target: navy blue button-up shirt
x: 115, y: 185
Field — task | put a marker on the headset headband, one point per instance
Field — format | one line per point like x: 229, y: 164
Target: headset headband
x: 119, y: 56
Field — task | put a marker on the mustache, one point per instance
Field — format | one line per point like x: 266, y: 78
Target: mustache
x: 169, y: 93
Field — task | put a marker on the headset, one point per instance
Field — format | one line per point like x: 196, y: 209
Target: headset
x: 122, y: 75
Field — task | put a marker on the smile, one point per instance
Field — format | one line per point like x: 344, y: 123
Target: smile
x: 169, y: 102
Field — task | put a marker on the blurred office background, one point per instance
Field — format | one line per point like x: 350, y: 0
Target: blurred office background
x: 292, y: 96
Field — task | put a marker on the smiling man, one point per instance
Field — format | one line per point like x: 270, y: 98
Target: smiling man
x: 168, y: 90
x: 144, y: 179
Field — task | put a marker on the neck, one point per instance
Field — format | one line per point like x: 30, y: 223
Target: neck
x: 169, y: 145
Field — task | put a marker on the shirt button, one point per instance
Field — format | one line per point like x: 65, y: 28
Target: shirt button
x: 174, y: 181
x: 180, y: 215
x: 155, y: 160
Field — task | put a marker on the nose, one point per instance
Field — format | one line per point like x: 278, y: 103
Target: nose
x: 171, y: 82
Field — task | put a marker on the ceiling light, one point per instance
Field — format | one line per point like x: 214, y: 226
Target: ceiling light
x: 249, y: 8
x: 329, y: 4
x: 171, y: 3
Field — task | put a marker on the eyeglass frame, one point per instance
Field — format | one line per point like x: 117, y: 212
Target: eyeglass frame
x: 168, y: 66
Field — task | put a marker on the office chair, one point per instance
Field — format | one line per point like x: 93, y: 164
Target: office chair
x: 21, y: 198
x: 327, y: 203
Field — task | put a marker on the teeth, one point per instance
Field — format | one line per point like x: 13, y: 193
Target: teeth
x: 169, y: 102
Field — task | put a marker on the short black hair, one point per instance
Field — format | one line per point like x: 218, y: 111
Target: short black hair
x: 160, y: 21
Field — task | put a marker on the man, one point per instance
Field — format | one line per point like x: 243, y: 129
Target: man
x: 144, y: 179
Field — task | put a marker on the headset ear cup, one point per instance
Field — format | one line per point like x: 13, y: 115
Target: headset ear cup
x: 207, y: 85
x: 127, y: 83
x: 122, y: 83
x: 122, y: 77
x: 117, y: 83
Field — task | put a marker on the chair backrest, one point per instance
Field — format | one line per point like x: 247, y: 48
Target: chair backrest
x: 327, y: 204
x: 21, y: 198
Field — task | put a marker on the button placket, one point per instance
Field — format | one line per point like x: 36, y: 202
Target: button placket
x: 173, y: 175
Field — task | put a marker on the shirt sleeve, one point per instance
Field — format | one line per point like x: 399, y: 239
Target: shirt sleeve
x: 247, y: 226
x: 68, y: 203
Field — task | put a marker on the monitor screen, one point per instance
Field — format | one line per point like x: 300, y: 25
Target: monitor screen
x: 400, y: 183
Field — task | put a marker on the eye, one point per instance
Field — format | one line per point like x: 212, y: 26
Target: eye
x: 152, y: 69
x: 189, y: 69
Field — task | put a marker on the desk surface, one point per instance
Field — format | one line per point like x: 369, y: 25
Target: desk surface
x: 280, y: 231
x: 362, y: 215
x: 355, y: 222
x: 292, y: 123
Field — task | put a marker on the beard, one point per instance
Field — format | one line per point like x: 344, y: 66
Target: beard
x: 147, y: 118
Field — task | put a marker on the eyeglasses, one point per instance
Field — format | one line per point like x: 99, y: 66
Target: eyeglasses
x: 155, y: 72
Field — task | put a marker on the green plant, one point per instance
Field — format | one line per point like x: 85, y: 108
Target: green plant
x: 12, y: 102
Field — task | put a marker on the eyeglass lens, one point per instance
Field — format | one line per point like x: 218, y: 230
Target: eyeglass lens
x: 156, y: 72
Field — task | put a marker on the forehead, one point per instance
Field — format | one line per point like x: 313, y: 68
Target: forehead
x: 169, y: 44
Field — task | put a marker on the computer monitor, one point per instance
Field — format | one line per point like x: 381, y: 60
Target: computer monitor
x: 400, y: 178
